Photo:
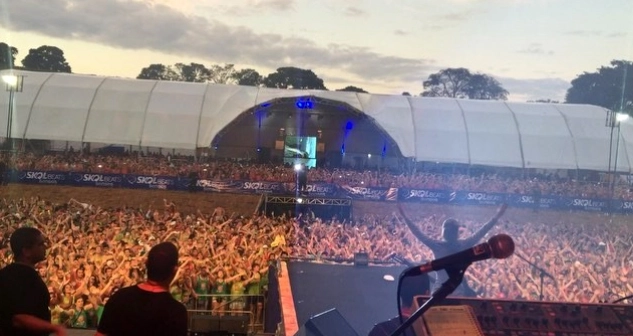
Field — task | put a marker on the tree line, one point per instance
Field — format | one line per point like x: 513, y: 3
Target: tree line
x: 608, y: 86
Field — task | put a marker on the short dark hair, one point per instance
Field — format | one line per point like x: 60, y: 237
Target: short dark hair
x: 24, y: 237
x: 161, y: 261
x: 451, y: 223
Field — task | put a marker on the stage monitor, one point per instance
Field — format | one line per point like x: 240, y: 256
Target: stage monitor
x: 300, y: 149
x: 329, y: 323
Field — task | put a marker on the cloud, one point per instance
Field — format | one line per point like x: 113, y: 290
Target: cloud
x: 400, y: 32
x: 533, y: 89
x: 435, y: 27
x: 138, y: 25
x: 280, y: 5
x: 536, y: 49
x: 584, y: 33
x: 463, y: 15
x: 354, y: 11
x: 617, y: 34
x: 595, y: 33
x: 246, y: 8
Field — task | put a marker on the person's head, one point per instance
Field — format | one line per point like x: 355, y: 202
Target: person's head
x: 28, y: 245
x: 162, y: 262
x: 450, y: 230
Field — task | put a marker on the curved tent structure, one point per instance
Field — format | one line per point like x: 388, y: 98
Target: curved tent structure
x: 56, y: 106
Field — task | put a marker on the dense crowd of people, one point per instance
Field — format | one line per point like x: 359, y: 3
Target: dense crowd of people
x: 94, y: 252
x: 173, y: 165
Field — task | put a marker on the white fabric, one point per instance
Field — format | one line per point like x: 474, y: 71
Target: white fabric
x: 187, y: 115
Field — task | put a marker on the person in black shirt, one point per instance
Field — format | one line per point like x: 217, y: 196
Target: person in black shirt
x: 24, y: 297
x: 452, y: 244
x: 302, y: 178
x: 147, y: 308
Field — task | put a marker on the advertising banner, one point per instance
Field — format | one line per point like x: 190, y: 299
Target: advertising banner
x: 319, y: 190
x: 313, y: 189
x: 425, y: 195
x: 478, y: 198
x: 153, y: 182
x: 527, y: 201
x: 42, y: 177
x: 373, y: 194
x: 95, y: 180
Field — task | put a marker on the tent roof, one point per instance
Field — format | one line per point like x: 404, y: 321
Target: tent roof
x: 57, y: 106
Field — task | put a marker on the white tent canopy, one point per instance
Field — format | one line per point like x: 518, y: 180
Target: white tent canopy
x: 55, y: 106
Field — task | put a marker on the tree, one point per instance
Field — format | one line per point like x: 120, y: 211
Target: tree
x: 609, y: 87
x: 192, y: 72
x: 294, y: 78
x: 7, y: 56
x: 484, y: 87
x: 222, y: 74
x: 157, y: 72
x: 46, y: 58
x: 460, y: 83
x: 248, y: 77
x: 352, y: 88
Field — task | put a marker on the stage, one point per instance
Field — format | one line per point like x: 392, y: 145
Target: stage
x: 360, y: 294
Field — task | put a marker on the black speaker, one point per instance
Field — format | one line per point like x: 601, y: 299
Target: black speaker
x: 219, y: 325
x: 328, y: 323
x: 204, y: 324
x: 235, y: 325
x: 361, y: 259
x: 263, y: 155
x: 334, y: 158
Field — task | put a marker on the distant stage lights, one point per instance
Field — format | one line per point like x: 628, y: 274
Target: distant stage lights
x: 304, y: 104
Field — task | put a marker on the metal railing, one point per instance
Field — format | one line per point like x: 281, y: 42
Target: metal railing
x: 251, y: 305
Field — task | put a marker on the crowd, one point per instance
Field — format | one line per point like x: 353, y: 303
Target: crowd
x: 93, y: 252
x: 173, y: 165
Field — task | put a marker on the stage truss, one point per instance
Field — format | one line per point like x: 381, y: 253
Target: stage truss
x: 308, y: 200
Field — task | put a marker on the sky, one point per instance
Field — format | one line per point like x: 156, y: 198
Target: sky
x: 534, y: 48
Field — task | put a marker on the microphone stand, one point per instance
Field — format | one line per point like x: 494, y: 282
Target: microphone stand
x: 455, y: 277
x: 628, y: 297
x: 542, y: 274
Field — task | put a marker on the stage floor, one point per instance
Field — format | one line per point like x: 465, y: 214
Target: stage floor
x: 360, y: 294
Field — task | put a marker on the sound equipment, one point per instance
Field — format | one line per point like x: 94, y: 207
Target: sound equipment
x: 528, y: 318
x: 361, y: 259
x: 263, y: 155
x: 328, y: 323
x: 200, y: 325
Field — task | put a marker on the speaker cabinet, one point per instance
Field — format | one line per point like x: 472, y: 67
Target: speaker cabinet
x: 218, y: 325
x: 328, y: 323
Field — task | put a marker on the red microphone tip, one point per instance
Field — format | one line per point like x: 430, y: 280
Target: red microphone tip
x: 501, y: 246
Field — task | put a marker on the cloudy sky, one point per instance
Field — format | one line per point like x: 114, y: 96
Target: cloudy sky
x: 533, y: 47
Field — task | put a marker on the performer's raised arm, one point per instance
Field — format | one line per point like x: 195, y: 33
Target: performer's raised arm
x: 426, y: 240
x: 477, y: 236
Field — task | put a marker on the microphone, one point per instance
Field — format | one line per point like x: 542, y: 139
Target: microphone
x: 499, y: 246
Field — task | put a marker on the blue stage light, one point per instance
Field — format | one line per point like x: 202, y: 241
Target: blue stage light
x: 304, y: 103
